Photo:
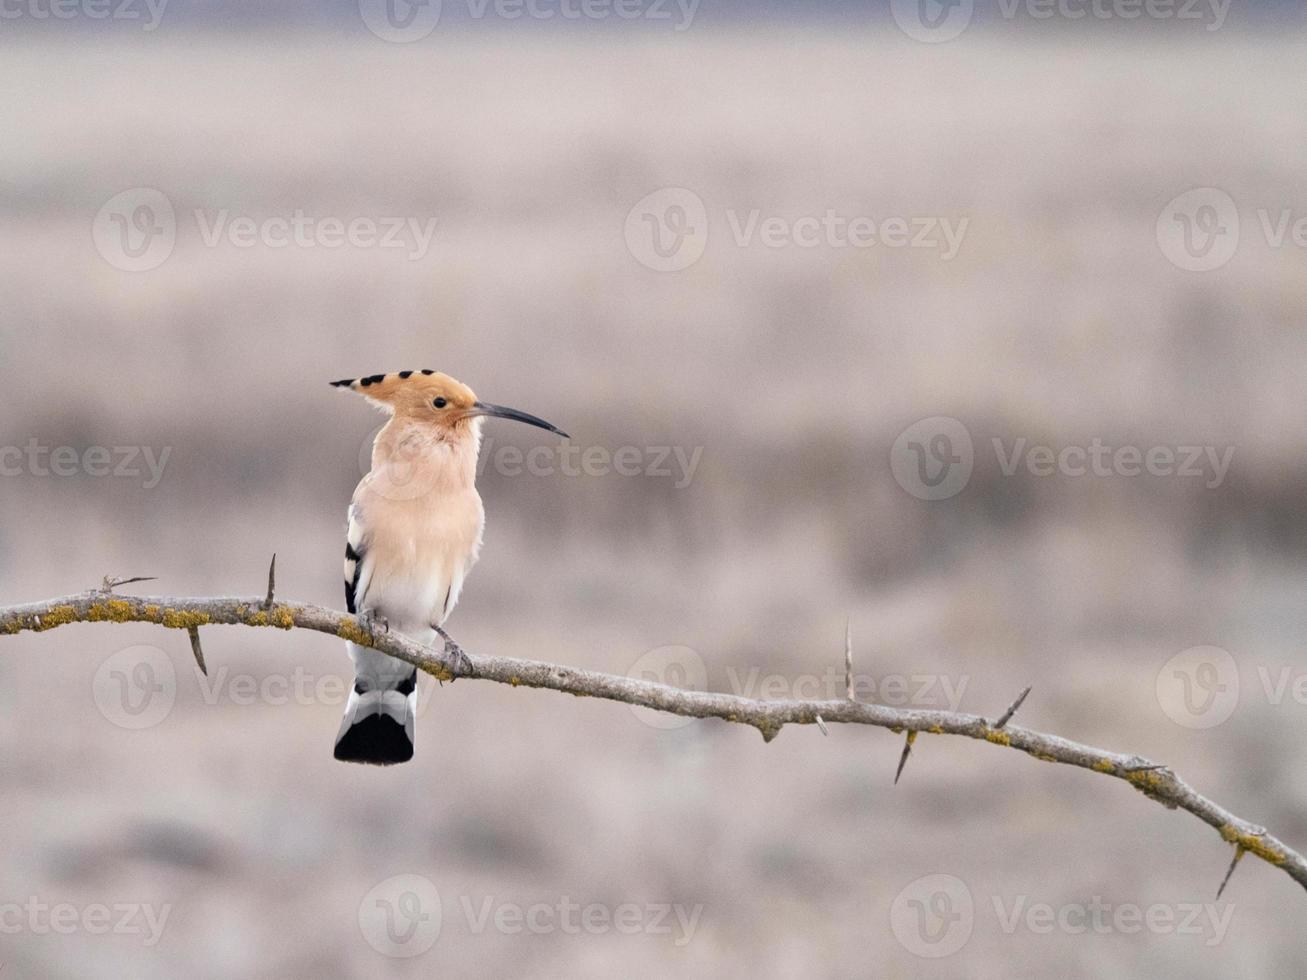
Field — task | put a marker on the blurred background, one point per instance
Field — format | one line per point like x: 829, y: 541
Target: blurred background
x: 836, y: 300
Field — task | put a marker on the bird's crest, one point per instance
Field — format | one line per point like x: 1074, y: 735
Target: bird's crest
x: 409, y: 390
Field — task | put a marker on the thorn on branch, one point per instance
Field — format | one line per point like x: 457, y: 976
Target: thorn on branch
x: 822, y: 725
x: 903, y: 759
x: 1012, y: 709
x: 195, y: 649
x: 1238, y: 853
x: 110, y: 582
x: 272, y: 584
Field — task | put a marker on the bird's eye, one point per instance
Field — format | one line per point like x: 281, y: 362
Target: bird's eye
x: 440, y: 403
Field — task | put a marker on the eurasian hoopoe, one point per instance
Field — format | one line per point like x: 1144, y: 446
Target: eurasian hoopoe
x: 415, y: 527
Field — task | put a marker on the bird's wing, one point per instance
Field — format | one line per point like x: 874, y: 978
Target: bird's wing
x: 358, y: 570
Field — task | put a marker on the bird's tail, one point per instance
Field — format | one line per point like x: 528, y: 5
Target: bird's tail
x: 378, y: 725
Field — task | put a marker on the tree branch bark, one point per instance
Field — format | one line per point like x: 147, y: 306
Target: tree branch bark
x: 190, y: 614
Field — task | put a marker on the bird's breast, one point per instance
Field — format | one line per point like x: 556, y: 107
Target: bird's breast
x: 422, y: 548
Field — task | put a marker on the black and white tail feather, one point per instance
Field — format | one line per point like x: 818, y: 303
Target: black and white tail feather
x: 379, y: 717
x: 378, y: 725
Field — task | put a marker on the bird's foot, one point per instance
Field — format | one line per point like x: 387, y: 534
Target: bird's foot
x: 461, y: 662
x: 371, y: 619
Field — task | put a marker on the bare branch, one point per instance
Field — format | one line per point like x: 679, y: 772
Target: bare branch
x: 1157, y: 782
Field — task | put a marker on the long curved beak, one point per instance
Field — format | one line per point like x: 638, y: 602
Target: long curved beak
x: 500, y: 412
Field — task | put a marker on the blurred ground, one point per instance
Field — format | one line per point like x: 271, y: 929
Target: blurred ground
x: 793, y: 369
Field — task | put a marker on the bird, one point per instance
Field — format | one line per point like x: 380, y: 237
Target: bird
x: 414, y: 532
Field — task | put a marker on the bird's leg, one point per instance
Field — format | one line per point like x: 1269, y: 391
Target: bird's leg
x: 370, y: 618
x: 462, y: 664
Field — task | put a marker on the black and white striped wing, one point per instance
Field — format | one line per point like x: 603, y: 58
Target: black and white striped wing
x: 358, y: 570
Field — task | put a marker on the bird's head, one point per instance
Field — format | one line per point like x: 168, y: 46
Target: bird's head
x: 435, y: 399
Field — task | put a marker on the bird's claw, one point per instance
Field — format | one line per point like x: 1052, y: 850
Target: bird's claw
x: 370, y: 619
x: 462, y: 663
